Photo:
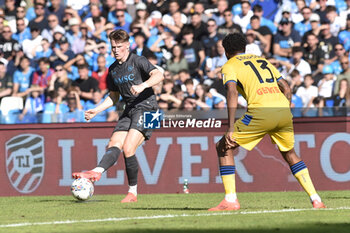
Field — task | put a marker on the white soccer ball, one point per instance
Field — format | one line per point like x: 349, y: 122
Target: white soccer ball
x: 82, y: 189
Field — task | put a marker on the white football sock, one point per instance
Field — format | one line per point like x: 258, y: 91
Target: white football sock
x: 133, y: 189
x: 98, y: 169
x: 315, y: 197
x: 231, y: 197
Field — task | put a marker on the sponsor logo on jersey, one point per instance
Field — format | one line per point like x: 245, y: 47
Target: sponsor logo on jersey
x: 25, y: 161
x: 123, y: 79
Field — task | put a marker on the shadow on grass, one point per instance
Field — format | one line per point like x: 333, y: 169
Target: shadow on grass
x: 71, y: 201
x: 319, y: 228
x: 165, y: 208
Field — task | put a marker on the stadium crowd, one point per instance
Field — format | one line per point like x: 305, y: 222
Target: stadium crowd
x: 55, y: 54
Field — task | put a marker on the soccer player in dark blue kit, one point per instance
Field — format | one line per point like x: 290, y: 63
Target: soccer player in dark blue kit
x: 132, y: 77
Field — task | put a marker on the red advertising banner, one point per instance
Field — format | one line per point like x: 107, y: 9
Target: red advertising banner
x: 39, y: 159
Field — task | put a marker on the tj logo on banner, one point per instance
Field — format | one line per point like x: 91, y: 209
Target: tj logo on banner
x: 25, y: 161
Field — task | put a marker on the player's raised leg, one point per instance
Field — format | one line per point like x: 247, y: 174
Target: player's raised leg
x: 227, y: 171
x: 109, y: 158
x: 301, y: 173
x: 133, y: 140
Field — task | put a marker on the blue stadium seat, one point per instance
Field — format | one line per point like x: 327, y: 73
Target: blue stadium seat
x: 49, y: 110
x: 11, y: 117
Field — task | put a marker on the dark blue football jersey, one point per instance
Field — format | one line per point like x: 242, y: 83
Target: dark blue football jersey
x: 135, y: 70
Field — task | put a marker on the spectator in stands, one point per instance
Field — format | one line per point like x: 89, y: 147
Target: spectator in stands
x: 190, y: 88
x: 218, y: 16
x: 78, y: 45
x: 296, y: 81
x: 297, y: 62
x: 108, y: 115
x: 228, y: 26
x: 22, y: 78
x: 339, y: 53
x: 62, y: 54
x: 340, y: 98
x: 10, y: 10
x: 85, y: 85
x: 122, y: 23
x: 165, y: 96
x: 334, y: 19
x: 327, y: 42
x: 188, y: 104
x: 314, y: 55
x: 321, y: 9
x: 258, y: 11
x: 42, y: 77
x: 71, y: 66
x: 177, y: 62
x: 308, y: 92
x: 20, y: 14
x: 262, y: 34
x: 199, y: 28
x: 103, y: 51
x: 54, y: 26
x: 344, y: 15
x: 285, y: 40
x: 243, y: 19
x: 8, y: 45
x: 305, y: 24
x: 2, y: 59
x: 95, y: 12
x: 6, y: 83
x: 140, y: 20
x: 209, y: 41
x: 202, y: 99
x: 213, y: 65
x: 39, y: 21
x: 119, y: 6
x: 345, y: 74
x: 178, y: 25
x: 59, y: 79
x: 252, y: 44
x: 34, y: 104
x: 101, y: 74
x: 315, y: 28
x: 73, y: 33
x: 78, y: 5
x: 44, y: 50
x: 141, y: 49
x: 75, y: 109
x: 325, y: 85
x: 199, y: 9
x: 167, y: 19
x: 194, y: 53
x: 182, y: 77
x: 32, y: 45
x: 2, y: 21
x: 344, y: 36
x: 57, y: 9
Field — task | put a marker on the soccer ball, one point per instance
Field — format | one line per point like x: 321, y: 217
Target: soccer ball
x: 82, y: 189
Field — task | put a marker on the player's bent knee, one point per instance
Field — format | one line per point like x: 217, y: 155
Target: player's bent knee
x: 129, y: 150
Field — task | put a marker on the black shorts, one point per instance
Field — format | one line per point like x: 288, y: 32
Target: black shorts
x: 132, y: 118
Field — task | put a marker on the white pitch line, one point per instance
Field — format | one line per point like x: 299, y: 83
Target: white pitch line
x: 165, y: 216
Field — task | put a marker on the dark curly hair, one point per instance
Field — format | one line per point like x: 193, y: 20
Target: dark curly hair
x: 234, y: 43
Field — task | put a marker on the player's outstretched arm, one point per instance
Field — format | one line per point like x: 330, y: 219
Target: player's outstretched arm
x: 155, y: 77
x: 111, y: 99
x: 232, y: 99
x: 284, y: 87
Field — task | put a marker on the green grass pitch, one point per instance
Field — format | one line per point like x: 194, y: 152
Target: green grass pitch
x: 260, y: 212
